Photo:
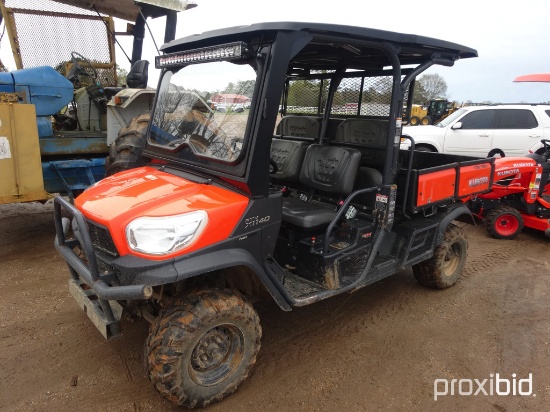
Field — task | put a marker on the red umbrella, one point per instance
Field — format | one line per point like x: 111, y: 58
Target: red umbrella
x: 541, y: 77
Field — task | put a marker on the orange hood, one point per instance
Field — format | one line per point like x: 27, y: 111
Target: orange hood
x: 117, y: 200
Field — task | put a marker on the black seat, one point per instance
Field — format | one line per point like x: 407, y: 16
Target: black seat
x: 289, y: 156
x: 299, y: 126
x: 367, y: 177
x: 364, y: 132
x: 371, y: 134
x: 329, y: 170
x: 138, y: 76
x: 368, y: 133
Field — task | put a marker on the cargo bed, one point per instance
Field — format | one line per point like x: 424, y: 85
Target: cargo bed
x: 431, y: 179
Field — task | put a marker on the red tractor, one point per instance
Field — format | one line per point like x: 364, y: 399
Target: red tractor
x: 520, y: 195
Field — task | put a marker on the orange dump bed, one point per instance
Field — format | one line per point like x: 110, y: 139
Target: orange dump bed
x: 436, y: 179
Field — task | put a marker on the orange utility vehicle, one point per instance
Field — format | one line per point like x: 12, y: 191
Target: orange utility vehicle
x: 234, y: 206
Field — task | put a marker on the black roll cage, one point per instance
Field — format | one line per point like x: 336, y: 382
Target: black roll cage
x: 345, y: 48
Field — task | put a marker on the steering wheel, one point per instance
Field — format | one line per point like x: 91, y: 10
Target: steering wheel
x: 82, y: 67
x: 273, y: 168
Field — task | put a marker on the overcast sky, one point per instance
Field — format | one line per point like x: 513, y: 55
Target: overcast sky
x: 512, y: 39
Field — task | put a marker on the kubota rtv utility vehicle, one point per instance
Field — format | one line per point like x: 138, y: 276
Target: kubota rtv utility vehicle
x: 295, y: 199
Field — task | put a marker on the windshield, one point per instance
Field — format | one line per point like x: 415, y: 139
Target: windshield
x: 451, y: 118
x: 202, y: 112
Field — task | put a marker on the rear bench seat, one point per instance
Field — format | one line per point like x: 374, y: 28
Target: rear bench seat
x: 299, y: 126
x: 365, y: 132
x: 372, y: 135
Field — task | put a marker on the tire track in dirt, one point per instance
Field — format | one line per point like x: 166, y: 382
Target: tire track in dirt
x: 517, y: 272
x: 494, y: 253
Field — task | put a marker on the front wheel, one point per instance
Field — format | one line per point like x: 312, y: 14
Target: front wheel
x: 504, y: 222
x: 202, y: 347
x: 444, y: 268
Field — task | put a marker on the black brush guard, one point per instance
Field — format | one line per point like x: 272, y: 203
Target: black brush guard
x: 91, y: 290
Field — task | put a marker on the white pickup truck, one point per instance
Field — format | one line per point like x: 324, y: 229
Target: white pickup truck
x: 482, y: 130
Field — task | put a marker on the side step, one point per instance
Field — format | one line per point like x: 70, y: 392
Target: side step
x: 298, y: 286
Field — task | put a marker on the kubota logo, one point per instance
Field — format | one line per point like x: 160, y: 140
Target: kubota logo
x: 478, y: 181
x: 298, y: 131
x: 508, y: 172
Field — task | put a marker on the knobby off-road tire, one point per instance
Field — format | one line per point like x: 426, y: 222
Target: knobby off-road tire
x: 125, y: 151
x: 444, y: 268
x: 504, y: 222
x: 202, y: 347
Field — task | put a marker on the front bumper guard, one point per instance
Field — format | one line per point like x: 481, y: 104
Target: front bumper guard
x: 90, y: 289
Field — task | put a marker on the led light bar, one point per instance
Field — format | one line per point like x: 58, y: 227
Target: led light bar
x: 230, y: 51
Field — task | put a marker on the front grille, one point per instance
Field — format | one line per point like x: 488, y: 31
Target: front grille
x: 101, y: 239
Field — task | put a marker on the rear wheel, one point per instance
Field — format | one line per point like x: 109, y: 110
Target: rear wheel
x: 504, y: 222
x: 444, y: 268
x: 415, y: 121
x: 125, y: 151
x: 202, y: 347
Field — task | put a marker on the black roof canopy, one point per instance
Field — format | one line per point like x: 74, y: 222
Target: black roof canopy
x: 332, y: 44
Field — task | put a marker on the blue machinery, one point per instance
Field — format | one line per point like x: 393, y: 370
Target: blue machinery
x: 71, y: 160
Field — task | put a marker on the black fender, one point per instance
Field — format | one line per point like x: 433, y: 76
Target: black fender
x: 221, y: 259
x: 461, y: 213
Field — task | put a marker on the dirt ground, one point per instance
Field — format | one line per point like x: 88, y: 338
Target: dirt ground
x: 380, y: 348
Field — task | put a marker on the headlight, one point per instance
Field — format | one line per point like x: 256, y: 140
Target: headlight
x: 163, y: 235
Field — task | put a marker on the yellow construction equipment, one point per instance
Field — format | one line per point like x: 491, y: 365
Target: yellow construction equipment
x: 418, y: 112
x: 435, y: 111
